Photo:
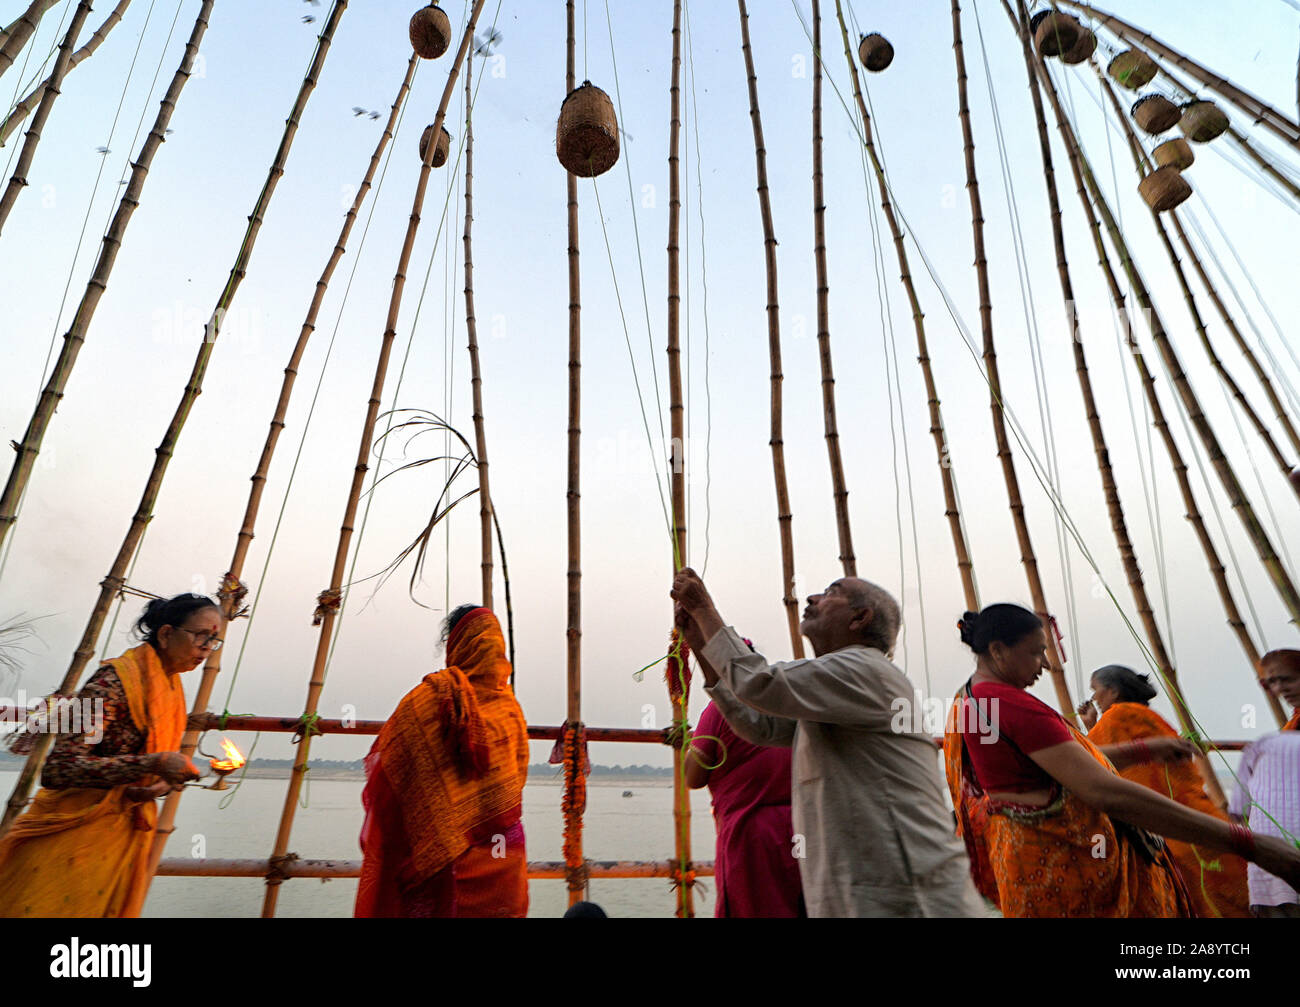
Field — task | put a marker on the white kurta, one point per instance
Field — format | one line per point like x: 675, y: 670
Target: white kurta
x: 870, y: 821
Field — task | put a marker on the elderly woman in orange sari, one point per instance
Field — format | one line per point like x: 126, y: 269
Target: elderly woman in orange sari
x: 1216, y: 882
x: 82, y: 847
x: 443, y: 834
x: 1053, y: 825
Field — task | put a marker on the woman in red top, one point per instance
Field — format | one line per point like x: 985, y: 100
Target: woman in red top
x: 754, y: 869
x: 1050, y: 822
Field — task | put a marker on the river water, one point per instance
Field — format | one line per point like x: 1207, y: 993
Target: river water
x: 639, y: 827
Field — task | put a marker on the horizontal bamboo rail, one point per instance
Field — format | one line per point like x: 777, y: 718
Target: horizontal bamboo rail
x: 536, y: 732
x: 184, y: 867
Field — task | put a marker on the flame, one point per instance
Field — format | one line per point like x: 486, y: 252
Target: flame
x: 233, y: 760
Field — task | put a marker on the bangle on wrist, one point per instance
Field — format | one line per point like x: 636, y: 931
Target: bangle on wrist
x: 1241, y: 841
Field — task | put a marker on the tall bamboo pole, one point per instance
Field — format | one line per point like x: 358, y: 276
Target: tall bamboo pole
x: 18, y: 181
x: 1143, y: 166
x: 1252, y: 358
x: 1109, y: 487
x: 327, y: 613
x: 785, y: 521
x: 1027, y: 558
x: 1269, y: 117
x: 1267, y: 166
x: 21, y: 470
x: 965, y: 568
x: 679, y: 683
x: 847, y: 560
x: 574, y: 784
x: 25, y: 106
x: 471, y: 327
x: 17, y: 34
x: 54, y: 391
x: 1086, y: 186
x: 232, y: 589
x: 1223, y: 468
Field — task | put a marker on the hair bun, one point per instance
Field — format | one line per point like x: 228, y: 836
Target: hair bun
x: 966, y: 626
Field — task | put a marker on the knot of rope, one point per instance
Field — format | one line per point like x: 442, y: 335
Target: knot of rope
x: 277, y: 868
x: 676, y: 735
x: 327, y: 602
x: 577, y: 876
x: 306, y: 727
x: 231, y: 595
x: 682, y: 874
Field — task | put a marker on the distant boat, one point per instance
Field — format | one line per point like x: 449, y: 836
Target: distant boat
x: 627, y: 793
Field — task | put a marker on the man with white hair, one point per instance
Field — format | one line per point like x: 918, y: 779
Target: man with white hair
x: 872, y: 831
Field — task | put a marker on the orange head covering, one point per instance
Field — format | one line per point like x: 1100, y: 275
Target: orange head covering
x: 454, y: 754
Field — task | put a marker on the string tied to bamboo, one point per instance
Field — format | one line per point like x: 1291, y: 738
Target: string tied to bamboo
x: 327, y: 603
x: 308, y: 726
x: 231, y: 594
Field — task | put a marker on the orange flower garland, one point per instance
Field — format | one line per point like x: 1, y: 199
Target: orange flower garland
x: 573, y: 804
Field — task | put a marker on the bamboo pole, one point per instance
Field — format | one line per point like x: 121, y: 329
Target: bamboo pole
x: 21, y: 470
x: 678, y: 675
x: 840, y: 490
x: 18, y: 181
x: 574, y: 787
x: 1252, y: 358
x: 785, y: 521
x: 965, y: 567
x: 232, y: 591
x: 1027, y: 558
x: 471, y: 327
x: 1086, y: 186
x: 185, y: 867
x: 21, y: 110
x: 1269, y: 117
x: 1223, y: 468
x: 1110, y: 489
x: 1143, y: 166
x: 1264, y: 163
x: 17, y: 34
x: 54, y: 391
x: 327, y: 612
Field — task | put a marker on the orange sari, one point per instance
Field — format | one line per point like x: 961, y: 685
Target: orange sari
x: 1216, y: 881
x: 1065, y: 859
x: 444, y: 783
x: 1294, y: 723
x: 84, y: 851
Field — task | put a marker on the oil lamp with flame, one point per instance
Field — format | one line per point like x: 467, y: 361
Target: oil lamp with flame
x: 223, y: 767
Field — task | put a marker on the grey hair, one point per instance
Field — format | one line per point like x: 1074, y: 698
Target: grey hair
x: 886, y: 617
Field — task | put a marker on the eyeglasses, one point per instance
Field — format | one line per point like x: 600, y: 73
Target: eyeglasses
x: 209, y: 640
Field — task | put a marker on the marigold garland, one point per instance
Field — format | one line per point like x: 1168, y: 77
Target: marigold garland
x: 573, y: 804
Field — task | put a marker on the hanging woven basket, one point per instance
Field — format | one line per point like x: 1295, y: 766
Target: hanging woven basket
x: 1132, y: 69
x: 875, y: 52
x: 1082, y: 49
x: 430, y: 32
x: 1176, y: 153
x: 1155, y: 113
x: 1164, y: 188
x: 1057, y: 33
x: 440, y: 151
x: 586, y: 136
x: 1202, y: 121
